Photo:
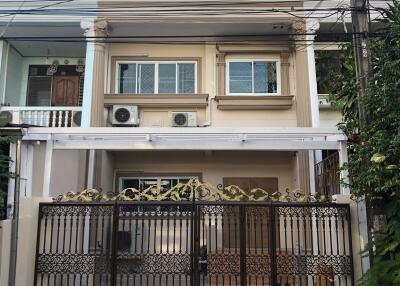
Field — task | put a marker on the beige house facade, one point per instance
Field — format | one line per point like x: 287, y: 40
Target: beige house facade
x: 135, y: 95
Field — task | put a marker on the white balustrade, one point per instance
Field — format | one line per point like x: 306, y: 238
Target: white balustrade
x: 45, y: 116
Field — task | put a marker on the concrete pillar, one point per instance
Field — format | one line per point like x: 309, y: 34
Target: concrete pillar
x: 359, y: 234
x: 48, y: 168
x: 311, y: 27
x: 221, y: 74
x: 93, y: 91
x: 4, y: 46
x: 27, y: 234
x: 306, y: 93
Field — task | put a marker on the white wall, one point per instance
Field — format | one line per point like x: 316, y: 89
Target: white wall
x: 329, y: 118
x: 68, y: 171
x: 212, y: 165
x: 13, y: 79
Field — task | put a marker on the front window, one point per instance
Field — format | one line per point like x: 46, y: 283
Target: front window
x: 142, y: 183
x: 257, y: 77
x: 156, y: 77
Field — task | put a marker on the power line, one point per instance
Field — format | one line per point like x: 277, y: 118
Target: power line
x: 12, y: 18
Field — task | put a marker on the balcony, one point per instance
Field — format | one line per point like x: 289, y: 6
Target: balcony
x: 46, y: 116
x: 42, y: 85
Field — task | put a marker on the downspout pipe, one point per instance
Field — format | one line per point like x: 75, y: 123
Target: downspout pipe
x: 15, y: 216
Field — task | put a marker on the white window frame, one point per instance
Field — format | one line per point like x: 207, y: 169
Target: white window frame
x: 158, y: 178
x: 278, y: 75
x: 156, y: 66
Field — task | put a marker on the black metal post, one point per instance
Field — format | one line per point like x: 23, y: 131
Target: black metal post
x: 39, y: 227
x: 114, y: 245
x: 273, y: 232
x: 242, y: 227
x: 348, y: 216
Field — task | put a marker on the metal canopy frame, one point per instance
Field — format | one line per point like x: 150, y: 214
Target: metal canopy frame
x: 189, y: 139
x: 120, y: 138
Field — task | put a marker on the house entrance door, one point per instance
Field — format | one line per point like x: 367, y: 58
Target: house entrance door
x: 65, y: 91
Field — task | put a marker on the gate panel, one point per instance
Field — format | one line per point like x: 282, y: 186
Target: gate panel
x: 313, y: 245
x: 258, y: 245
x: 194, y: 244
x: 218, y: 250
x: 154, y: 244
x: 74, y: 244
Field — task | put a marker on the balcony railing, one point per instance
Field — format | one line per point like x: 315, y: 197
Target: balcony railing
x: 327, y: 176
x: 45, y: 116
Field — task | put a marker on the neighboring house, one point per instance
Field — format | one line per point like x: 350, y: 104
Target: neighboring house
x: 153, y: 98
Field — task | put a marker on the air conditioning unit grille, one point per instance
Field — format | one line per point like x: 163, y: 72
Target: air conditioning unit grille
x: 125, y: 115
x: 122, y: 115
x: 77, y: 118
x: 184, y: 119
x: 180, y: 119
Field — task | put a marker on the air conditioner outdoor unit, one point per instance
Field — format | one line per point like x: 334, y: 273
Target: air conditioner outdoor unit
x: 184, y: 119
x: 76, y: 118
x: 125, y: 115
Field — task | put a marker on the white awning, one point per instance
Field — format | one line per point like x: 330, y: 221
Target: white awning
x: 206, y: 138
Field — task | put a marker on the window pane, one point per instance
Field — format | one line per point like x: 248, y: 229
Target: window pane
x: 167, y: 78
x: 130, y: 183
x: 240, y: 77
x: 127, y: 78
x: 272, y: 78
x: 186, y: 78
x: 39, y: 91
x: 146, y: 81
x: 260, y: 77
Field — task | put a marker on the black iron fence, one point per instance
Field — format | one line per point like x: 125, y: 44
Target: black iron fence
x: 193, y: 243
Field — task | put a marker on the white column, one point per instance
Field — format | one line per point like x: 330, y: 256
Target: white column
x: 4, y: 47
x: 311, y: 27
x: 93, y: 90
x: 344, y: 175
x: 47, y: 168
x: 91, y: 169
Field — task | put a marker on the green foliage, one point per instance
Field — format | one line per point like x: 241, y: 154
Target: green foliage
x: 5, y: 173
x: 328, y: 69
x: 374, y: 153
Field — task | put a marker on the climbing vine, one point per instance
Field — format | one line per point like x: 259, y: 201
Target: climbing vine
x: 374, y: 151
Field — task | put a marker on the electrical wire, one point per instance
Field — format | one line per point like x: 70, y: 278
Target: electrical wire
x: 10, y: 21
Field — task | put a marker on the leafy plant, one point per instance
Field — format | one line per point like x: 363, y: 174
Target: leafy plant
x: 5, y: 172
x: 374, y: 152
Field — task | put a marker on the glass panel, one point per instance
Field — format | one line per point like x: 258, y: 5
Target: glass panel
x: 39, y: 91
x: 186, y: 78
x: 167, y: 78
x: 146, y: 81
x: 130, y: 183
x: 272, y: 78
x: 127, y: 78
x: 240, y: 77
x: 260, y: 77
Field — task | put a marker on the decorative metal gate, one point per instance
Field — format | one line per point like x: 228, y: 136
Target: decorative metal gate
x: 194, y: 243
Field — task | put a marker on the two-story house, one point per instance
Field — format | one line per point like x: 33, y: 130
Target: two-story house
x: 117, y: 95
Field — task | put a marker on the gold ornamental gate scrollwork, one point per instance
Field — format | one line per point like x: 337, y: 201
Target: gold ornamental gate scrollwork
x: 193, y: 190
